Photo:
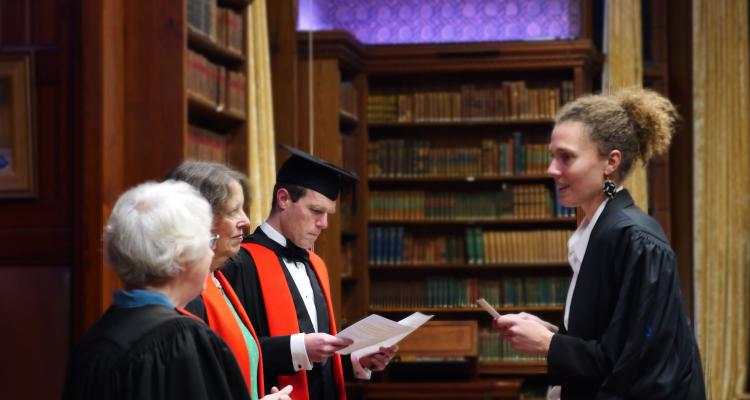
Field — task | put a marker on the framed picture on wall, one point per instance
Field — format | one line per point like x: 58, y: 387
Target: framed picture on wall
x: 17, y: 138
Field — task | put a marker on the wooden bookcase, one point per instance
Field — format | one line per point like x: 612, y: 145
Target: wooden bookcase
x: 159, y: 96
x: 439, y: 117
x: 216, y: 73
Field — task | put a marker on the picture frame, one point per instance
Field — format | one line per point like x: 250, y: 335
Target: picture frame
x: 18, y: 170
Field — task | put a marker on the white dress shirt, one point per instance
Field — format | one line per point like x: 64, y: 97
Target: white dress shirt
x: 299, y: 274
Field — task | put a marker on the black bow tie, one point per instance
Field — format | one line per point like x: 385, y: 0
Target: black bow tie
x: 291, y: 252
x: 294, y: 253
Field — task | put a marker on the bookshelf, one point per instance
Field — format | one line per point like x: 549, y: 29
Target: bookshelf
x: 170, y: 111
x: 459, y: 203
x: 216, y: 89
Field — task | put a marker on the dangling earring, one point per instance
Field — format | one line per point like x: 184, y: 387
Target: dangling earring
x: 609, y: 188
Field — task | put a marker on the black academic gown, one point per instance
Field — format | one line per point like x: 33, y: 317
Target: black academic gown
x: 628, y: 334
x: 152, y: 352
x: 242, y: 274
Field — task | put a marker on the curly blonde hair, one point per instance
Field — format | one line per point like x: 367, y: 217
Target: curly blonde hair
x: 638, y: 122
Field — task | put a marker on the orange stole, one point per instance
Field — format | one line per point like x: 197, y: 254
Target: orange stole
x: 220, y: 319
x: 282, y: 315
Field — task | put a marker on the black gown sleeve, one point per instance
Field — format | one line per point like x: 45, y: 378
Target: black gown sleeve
x: 647, y: 350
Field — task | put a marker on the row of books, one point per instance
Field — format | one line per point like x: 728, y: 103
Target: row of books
x: 348, y: 97
x: 206, y: 145
x: 222, y: 25
x: 216, y: 84
x: 511, y: 201
x: 400, y: 158
x: 452, y: 292
x: 511, y: 100
x: 516, y: 247
x: 492, y: 347
x: 394, y: 245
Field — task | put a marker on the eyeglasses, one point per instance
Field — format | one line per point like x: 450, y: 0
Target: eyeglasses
x: 214, y: 241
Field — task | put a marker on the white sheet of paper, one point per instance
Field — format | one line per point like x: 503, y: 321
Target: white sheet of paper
x: 374, y: 331
x: 487, y: 307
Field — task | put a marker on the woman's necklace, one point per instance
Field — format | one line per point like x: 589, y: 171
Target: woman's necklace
x: 217, y: 283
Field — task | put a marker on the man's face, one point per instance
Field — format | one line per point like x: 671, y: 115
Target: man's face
x: 302, y: 221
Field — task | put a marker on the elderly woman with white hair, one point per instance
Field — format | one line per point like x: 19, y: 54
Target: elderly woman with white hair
x: 158, y: 241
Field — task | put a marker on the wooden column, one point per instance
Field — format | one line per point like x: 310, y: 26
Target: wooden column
x: 282, y: 27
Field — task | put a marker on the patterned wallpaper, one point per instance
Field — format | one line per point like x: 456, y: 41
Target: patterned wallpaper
x: 442, y: 21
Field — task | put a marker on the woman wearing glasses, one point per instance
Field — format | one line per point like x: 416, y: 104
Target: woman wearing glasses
x: 158, y: 242
x: 226, y: 191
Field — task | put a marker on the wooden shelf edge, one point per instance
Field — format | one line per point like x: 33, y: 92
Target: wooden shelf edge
x: 478, y: 221
x: 235, y: 3
x: 349, y: 233
x: 463, y: 123
x: 204, y: 45
x: 200, y: 106
x: 466, y: 266
x: 476, y: 389
x: 515, y: 367
x: 348, y: 120
x: 456, y: 179
x: 464, y: 310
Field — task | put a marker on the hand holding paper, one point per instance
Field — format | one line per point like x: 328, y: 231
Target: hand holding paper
x: 320, y: 346
x: 375, y: 331
x: 487, y: 307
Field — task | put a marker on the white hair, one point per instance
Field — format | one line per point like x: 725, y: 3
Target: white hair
x: 154, y: 229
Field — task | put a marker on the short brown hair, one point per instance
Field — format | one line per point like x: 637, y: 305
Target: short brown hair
x: 296, y: 192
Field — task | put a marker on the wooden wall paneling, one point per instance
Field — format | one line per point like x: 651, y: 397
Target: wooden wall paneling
x: 16, y: 27
x: 102, y: 162
x: 659, y: 203
x: 155, y: 101
x: 34, y: 304
x: 360, y: 263
x: 680, y: 62
x: 659, y: 43
x: 282, y: 36
x: 37, y: 234
x: 656, y: 77
x: 586, y: 19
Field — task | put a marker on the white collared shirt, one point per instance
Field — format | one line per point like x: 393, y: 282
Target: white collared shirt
x: 577, y: 249
x: 299, y: 275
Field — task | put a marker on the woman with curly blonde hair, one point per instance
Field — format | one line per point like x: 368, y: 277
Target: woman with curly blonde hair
x: 626, y: 333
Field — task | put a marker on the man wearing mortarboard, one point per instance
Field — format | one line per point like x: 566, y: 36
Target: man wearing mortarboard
x: 284, y: 285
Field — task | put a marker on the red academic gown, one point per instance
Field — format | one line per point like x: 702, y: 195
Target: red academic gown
x: 282, y: 315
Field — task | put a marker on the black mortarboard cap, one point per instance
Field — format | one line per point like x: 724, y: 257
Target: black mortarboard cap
x: 308, y: 171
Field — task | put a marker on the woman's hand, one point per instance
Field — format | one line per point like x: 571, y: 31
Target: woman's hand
x: 527, y: 334
x: 552, y: 328
x: 277, y: 394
